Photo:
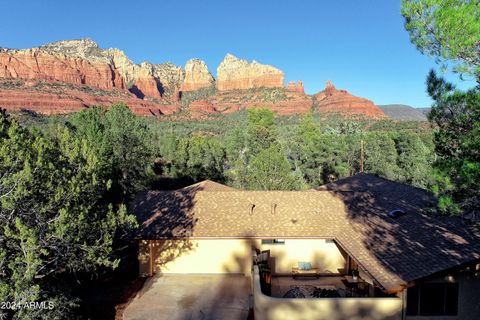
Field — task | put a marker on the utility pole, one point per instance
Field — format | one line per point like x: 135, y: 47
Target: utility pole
x: 361, y: 156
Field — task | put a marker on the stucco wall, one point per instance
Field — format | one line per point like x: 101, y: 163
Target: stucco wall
x: 268, y: 308
x: 321, y: 253
x: 234, y: 255
x: 468, y: 297
x: 196, y: 256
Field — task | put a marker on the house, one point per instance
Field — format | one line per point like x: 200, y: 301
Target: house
x: 414, y: 265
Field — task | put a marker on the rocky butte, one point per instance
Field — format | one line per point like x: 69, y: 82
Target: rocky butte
x: 197, y: 76
x: 340, y: 101
x: 235, y: 73
x: 42, y: 64
x: 67, y: 76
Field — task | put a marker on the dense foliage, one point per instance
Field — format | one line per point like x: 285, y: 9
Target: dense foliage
x: 450, y: 31
x: 457, y: 143
x: 446, y: 29
x: 291, y: 153
x: 58, y: 213
x: 121, y: 141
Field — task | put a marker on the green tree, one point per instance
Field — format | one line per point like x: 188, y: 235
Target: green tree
x: 53, y: 215
x: 446, y: 29
x: 381, y: 155
x: 270, y: 170
x: 413, y: 160
x: 257, y: 134
x: 304, y: 150
x: 200, y: 158
x: 457, y: 143
x: 122, y: 142
x: 261, y: 130
x: 323, y: 157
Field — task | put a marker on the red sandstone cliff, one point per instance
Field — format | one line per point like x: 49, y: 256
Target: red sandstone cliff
x: 197, y: 76
x: 234, y: 73
x: 41, y: 65
x: 145, y: 84
x: 331, y: 100
x: 296, y: 88
x: 54, y: 98
x: 67, y: 76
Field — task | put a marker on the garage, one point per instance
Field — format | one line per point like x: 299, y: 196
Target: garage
x: 194, y: 256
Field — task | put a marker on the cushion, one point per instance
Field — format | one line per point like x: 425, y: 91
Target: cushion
x: 304, y: 265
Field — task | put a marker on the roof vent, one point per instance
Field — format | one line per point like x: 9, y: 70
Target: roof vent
x: 274, y: 208
x: 397, y: 213
x: 252, y: 206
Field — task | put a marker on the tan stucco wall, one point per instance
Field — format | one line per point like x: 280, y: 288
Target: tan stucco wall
x: 468, y: 297
x: 322, y: 254
x: 268, y: 308
x: 197, y: 256
x: 234, y: 255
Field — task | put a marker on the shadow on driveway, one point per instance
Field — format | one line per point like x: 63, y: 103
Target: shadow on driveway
x: 191, y: 297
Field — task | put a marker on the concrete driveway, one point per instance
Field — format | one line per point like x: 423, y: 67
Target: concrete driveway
x: 191, y: 297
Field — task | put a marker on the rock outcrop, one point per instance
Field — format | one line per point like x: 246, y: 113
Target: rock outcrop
x: 126, y: 67
x: 55, y: 98
x: 67, y: 76
x: 197, y: 76
x: 170, y: 78
x: 234, y: 73
x: 201, y: 107
x: 145, y: 80
x: 296, y: 88
x: 145, y: 84
x: 37, y: 64
x: 331, y: 100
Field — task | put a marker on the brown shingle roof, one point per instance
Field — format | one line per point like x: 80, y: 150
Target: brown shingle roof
x: 353, y: 211
x: 404, y: 249
x: 208, y: 185
x: 236, y: 214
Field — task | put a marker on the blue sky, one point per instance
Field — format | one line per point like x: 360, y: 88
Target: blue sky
x: 360, y: 46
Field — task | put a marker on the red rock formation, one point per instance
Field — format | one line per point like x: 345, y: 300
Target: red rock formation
x: 332, y: 100
x: 300, y: 88
x: 197, y: 76
x: 330, y: 88
x: 267, y: 81
x: 40, y: 65
x: 200, y: 107
x: 68, y: 76
x: 292, y: 87
x: 68, y: 101
x: 146, y: 86
x: 234, y: 73
x: 288, y: 107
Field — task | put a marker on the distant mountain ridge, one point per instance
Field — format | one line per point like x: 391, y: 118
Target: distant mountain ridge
x: 67, y: 76
x: 405, y: 112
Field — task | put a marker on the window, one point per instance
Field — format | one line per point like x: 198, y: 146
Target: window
x: 273, y: 241
x: 433, y: 299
